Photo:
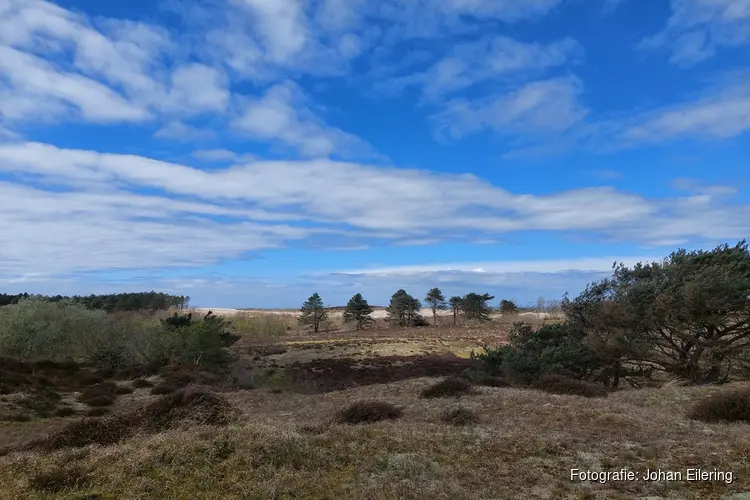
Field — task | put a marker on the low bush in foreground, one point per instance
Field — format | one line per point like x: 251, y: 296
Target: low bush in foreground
x: 141, y: 383
x: 557, y: 384
x: 102, y: 394
x: 460, y: 416
x: 726, y: 406
x: 369, y: 411
x: 192, y: 405
x: 450, y: 387
x: 492, y: 381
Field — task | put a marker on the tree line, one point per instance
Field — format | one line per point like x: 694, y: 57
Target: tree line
x: 404, y: 310
x: 117, y: 302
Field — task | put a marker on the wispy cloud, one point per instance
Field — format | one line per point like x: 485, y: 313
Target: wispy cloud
x: 282, y: 116
x: 549, y: 106
x: 491, y: 58
x: 83, y: 213
x: 698, y: 28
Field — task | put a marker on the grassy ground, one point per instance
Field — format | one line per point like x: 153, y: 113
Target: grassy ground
x: 287, y: 443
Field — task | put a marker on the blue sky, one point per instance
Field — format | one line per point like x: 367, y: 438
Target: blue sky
x: 251, y: 152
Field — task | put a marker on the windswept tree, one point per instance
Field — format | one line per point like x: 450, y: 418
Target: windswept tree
x: 688, y: 315
x: 313, y: 312
x: 436, y: 300
x: 476, y: 307
x: 403, y: 310
x: 358, y: 311
x: 508, y: 307
x: 455, y: 304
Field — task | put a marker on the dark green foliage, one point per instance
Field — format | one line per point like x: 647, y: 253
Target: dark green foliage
x: 558, y: 384
x: 688, y: 315
x: 123, y: 389
x: 731, y: 405
x: 111, y: 303
x: 460, y: 416
x: 140, y: 383
x: 508, y: 307
x: 436, y: 300
x: 369, y: 411
x: 475, y: 307
x: 403, y: 310
x: 313, y: 312
x: 358, y: 311
x: 449, y: 387
x: 533, y: 352
x: 203, y: 341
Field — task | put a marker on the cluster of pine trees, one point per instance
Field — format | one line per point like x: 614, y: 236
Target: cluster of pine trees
x: 116, y: 302
x: 404, y: 310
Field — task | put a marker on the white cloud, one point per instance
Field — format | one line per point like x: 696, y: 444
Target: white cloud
x: 97, y: 222
x: 588, y: 264
x: 490, y: 58
x: 180, y: 131
x: 55, y: 64
x: 33, y: 88
x: 222, y: 155
x: 548, y: 106
x: 723, y: 113
x: 283, y: 116
x: 698, y: 28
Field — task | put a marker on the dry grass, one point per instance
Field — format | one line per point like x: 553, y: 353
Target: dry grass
x: 557, y: 384
x: 524, y: 447
x: 460, y: 416
x: 260, y: 444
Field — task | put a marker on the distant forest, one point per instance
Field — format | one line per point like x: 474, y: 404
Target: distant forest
x: 153, y: 301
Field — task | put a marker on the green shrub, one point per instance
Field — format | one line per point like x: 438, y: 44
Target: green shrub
x: 203, y: 341
x: 449, y: 387
x: 534, y: 352
x: 57, y: 331
x: 727, y: 406
x: 369, y: 411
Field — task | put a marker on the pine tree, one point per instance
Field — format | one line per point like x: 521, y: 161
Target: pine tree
x: 436, y: 300
x: 358, y: 311
x: 474, y: 306
x: 455, y: 303
x: 403, y: 310
x: 508, y: 307
x: 313, y: 313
